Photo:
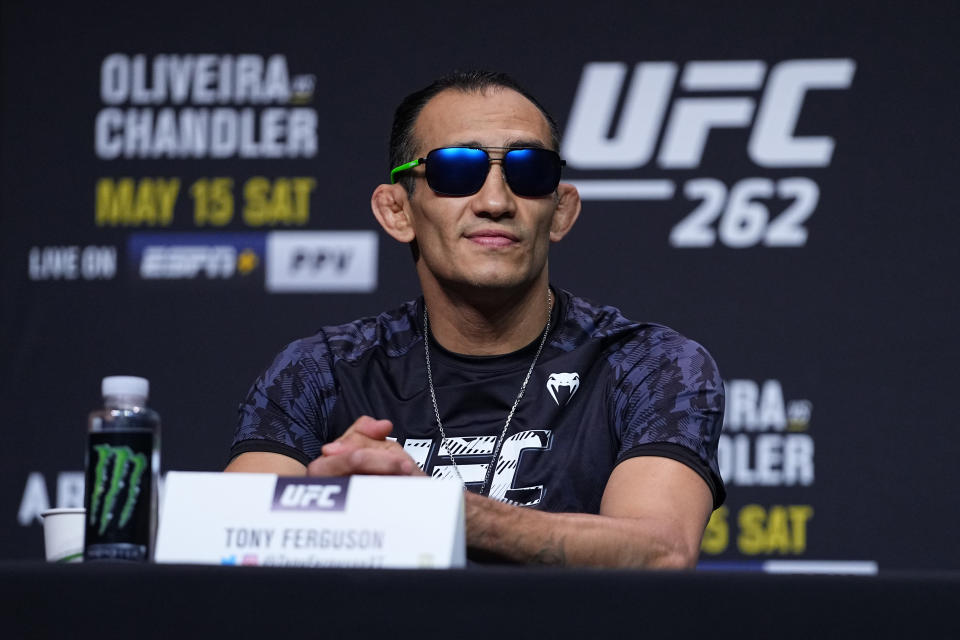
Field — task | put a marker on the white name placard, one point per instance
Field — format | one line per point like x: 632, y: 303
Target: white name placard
x: 358, y: 521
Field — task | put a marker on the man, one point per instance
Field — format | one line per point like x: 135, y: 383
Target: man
x: 583, y: 438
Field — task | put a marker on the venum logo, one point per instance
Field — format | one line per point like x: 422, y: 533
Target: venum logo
x: 299, y: 494
x: 558, y: 381
x: 595, y: 141
x: 127, y: 472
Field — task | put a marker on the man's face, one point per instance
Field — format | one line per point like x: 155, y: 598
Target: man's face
x: 493, y: 238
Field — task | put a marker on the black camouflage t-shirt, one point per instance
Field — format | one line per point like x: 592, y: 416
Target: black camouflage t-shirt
x: 605, y: 389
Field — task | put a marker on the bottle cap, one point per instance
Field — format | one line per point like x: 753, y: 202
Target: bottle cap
x: 125, y: 386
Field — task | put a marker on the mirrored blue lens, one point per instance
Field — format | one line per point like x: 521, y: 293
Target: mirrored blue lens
x: 532, y: 172
x: 457, y: 171
x: 461, y: 171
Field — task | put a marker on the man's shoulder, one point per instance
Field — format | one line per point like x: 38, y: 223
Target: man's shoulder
x: 585, y: 319
x: 630, y: 342
x: 394, y: 332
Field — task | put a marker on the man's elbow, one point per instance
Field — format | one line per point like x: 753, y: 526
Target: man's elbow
x: 678, y: 555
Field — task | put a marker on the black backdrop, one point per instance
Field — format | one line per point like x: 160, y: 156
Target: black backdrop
x: 808, y: 242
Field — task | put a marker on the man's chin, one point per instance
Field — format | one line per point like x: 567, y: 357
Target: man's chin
x: 493, y: 276
x: 502, y: 281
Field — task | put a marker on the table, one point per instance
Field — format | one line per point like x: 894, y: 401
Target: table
x: 167, y: 601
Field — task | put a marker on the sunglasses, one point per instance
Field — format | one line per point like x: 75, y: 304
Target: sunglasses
x: 461, y: 171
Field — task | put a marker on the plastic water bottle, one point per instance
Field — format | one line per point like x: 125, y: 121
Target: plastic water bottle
x: 123, y: 462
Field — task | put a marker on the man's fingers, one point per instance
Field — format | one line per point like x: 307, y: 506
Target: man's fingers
x: 353, y: 441
x: 381, y: 463
x: 365, y: 432
x: 363, y: 449
x: 365, y: 462
x: 375, y: 429
x: 329, y: 466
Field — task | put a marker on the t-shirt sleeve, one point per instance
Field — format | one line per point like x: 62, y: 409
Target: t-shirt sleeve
x: 669, y: 403
x: 286, y: 409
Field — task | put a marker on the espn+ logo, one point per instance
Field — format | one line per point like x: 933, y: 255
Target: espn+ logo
x: 662, y: 115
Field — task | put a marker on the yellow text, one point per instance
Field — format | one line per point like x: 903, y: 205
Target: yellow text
x: 759, y: 530
x: 212, y: 201
x: 284, y: 201
x: 126, y: 202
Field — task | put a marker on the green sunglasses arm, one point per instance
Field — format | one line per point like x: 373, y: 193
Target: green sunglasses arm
x: 403, y: 167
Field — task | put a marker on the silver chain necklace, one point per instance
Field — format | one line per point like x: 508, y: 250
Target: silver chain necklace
x: 488, y: 476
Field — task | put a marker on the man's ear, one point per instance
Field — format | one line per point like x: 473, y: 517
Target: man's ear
x: 391, y: 206
x: 568, y: 208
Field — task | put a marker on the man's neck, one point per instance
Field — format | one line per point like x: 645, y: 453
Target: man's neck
x: 487, y: 323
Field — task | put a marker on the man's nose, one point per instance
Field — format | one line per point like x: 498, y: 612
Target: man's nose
x: 495, y: 199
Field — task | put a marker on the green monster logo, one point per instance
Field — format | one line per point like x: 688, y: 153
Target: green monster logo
x: 124, y: 460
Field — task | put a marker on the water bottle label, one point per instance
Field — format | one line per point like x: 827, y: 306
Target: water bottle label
x: 118, y: 496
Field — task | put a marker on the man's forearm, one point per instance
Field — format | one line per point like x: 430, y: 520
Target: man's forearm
x: 574, y: 539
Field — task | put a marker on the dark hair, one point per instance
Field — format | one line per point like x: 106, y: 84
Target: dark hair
x: 403, y: 146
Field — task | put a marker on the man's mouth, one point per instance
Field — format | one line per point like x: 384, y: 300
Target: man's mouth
x: 492, y: 238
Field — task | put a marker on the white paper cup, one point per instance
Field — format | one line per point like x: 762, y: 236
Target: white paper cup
x: 63, y: 531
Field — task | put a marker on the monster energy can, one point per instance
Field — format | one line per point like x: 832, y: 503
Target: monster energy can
x: 123, y: 461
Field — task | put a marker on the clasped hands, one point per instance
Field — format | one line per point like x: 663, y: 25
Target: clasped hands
x: 363, y: 449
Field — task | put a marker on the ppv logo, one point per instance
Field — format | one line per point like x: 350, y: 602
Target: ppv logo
x: 127, y: 473
x: 297, y: 494
x: 321, y: 261
x: 596, y: 139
